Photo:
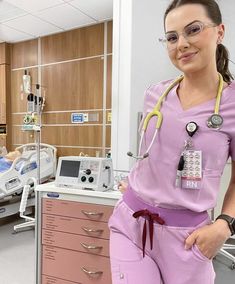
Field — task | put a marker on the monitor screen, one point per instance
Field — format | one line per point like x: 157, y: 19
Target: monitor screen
x: 69, y: 168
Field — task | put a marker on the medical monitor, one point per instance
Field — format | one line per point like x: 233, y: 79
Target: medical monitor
x: 69, y: 168
x: 84, y: 173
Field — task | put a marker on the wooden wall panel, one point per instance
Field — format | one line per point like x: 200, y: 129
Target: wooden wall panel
x: 109, y: 82
x: 63, y: 151
x: 3, y: 76
x: 17, y: 119
x: 3, y: 140
x: 110, y: 37
x: 69, y: 86
x: 74, y: 85
x: 65, y: 118
x: 58, y: 118
x: 79, y: 43
x: 24, y: 54
x: 5, y: 53
x: 108, y: 136
x: 21, y: 137
x: 19, y: 103
x: 8, y: 106
x: 89, y: 136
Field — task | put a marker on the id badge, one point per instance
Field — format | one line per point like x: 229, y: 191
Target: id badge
x: 192, y: 172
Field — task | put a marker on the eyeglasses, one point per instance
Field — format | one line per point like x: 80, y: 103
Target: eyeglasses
x: 191, y: 33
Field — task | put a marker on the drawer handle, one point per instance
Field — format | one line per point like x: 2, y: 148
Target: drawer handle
x: 98, y: 231
x: 92, y: 273
x: 92, y: 213
x: 90, y: 246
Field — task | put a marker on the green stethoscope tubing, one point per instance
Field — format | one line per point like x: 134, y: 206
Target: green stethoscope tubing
x: 156, y: 112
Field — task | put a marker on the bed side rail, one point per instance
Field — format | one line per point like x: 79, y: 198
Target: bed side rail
x: 33, y: 146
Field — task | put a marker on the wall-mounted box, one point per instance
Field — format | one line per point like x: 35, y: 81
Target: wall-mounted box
x: 3, y: 129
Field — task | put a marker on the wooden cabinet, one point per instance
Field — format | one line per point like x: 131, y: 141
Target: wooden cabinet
x: 73, y: 239
x: 3, y: 94
x: 4, y: 87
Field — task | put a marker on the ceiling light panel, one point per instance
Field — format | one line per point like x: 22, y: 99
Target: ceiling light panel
x: 32, y: 25
x: 65, y: 16
x: 99, y: 10
x: 34, y: 5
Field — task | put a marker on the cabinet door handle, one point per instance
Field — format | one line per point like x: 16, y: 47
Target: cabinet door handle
x: 92, y: 213
x: 90, y: 247
x: 92, y: 273
x: 88, y: 230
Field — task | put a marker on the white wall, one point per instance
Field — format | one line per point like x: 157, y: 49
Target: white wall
x: 227, y: 8
x: 138, y: 61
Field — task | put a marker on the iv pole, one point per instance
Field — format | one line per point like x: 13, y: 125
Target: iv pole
x: 29, y: 221
x: 38, y: 130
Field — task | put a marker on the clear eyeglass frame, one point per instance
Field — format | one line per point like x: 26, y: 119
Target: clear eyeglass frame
x: 188, y: 33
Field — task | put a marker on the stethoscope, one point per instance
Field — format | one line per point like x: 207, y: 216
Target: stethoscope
x: 215, y: 121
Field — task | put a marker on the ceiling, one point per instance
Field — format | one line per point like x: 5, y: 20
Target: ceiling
x: 27, y: 19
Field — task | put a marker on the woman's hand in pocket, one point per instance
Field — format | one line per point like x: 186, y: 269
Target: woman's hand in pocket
x: 210, y: 238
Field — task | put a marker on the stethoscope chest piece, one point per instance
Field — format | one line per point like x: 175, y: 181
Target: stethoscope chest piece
x: 215, y: 121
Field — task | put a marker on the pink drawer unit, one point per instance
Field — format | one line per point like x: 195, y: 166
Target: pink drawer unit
x: 76, y: 226
x: 77, y: 209
x: 75, y: 266
x: 76, y: 242
x: 52, y: 280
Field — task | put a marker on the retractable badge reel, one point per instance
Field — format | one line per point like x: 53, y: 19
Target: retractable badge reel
x: 191, y: 128
x: 189, y: 166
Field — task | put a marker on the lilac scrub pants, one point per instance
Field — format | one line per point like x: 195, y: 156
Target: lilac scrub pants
x: 168, y: 262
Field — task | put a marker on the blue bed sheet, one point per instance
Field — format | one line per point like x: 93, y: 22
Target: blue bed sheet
x: 4, y: 164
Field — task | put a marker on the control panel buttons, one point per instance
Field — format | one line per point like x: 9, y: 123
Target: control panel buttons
x: 88, y: 171
x: 83, y: 178
x: 91, y: 179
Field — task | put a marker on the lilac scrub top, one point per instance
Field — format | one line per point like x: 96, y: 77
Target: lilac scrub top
x: 153, y: 178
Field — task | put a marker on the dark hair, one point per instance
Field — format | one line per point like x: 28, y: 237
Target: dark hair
x: 213, y: 12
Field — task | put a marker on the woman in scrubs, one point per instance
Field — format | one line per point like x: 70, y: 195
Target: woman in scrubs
x: 160, y: 231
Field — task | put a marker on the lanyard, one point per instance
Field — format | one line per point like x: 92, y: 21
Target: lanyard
x: 191, y: 129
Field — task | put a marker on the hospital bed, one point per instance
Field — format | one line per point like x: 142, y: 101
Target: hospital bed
x: 13, y: 179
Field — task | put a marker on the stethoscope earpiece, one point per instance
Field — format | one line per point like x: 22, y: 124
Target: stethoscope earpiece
x: 145, y: 155
x: 129, y: 154
x: 141, y: 157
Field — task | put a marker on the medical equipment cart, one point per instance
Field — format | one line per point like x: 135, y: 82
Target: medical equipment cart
x: 72, y: 236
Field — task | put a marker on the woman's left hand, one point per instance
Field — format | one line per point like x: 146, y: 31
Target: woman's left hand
x: 122, y: 186
x: 210, y: 238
